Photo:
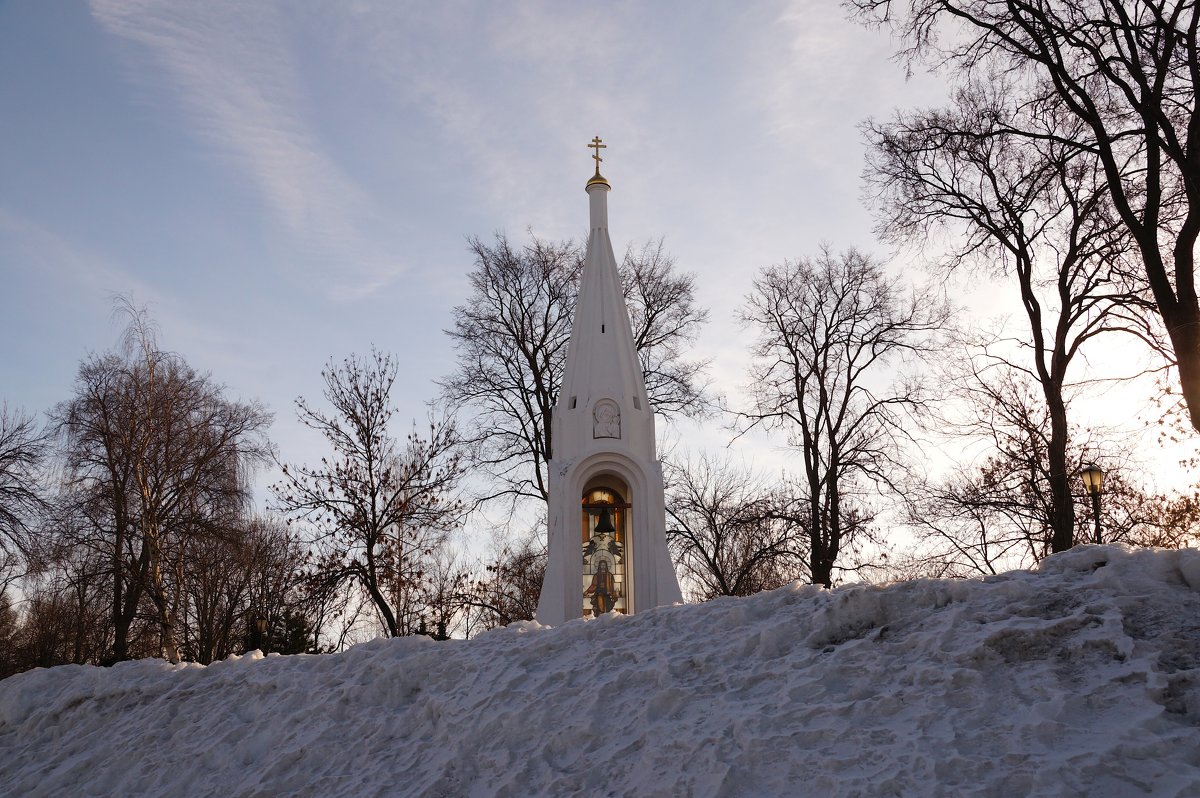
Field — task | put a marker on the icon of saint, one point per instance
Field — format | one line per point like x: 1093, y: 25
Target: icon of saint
x: 607, y: 420
x: 603, y: 590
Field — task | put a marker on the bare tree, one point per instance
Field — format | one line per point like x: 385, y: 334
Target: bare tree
x: 251, y: 570
x: 65, y: 614
x: 828, y: 329
x: 10, y: 657
x: 22, y: 449
x: 1142, y: 518
x: 512, y: 336
x: 998, y: 514
x: 377, y: 506
x: 438, y: 603
x: 1031, y: 211
x: 64, y: 618
x: 731, y: 532
x: 665, y: 320
x: 1132, y: 514
x: 508, y: 588
x: 154, y: 454
x: 1126, y: 72
x: 97, y: 425
x: 992, y: 518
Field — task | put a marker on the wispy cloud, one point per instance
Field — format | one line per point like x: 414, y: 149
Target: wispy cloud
x: 29, y: 245
x: 813, y: 65
x: 82, y: 277
x: 514, y: 90
x: 236, y: 76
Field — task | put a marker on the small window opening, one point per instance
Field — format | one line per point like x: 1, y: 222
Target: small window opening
x: 572, y: 402
x: 602, y: 329
x: 637, y: 405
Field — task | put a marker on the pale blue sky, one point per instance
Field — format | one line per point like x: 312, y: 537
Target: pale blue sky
x: 282, y: 182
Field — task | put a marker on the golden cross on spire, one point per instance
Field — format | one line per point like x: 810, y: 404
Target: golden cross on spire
x: 597, y: 179
x: 597, y: 146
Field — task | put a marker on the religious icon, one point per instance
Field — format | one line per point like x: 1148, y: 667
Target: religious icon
x: 603, y: 552
x: 606, y: 420
x: 603, y: 590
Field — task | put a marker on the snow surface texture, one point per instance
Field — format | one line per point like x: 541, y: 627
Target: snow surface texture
x: 1081, y: 678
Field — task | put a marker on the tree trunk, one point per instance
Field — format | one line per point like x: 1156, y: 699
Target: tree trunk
x: 372, y: 585
x: 1062, y: 505
x: 168, y: 645
x: 819, y: 564
x: 1183, y: 324
x: 120, y: 629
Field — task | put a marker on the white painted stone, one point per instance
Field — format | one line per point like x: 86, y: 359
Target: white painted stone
x: 603, y: 427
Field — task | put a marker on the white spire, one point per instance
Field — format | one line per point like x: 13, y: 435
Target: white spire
x: 602, y: 437
x: 602, y: 361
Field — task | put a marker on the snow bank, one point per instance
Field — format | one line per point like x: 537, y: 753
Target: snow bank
x: 1081, y: 678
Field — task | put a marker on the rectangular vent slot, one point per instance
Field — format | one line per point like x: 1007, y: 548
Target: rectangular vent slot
x: 637, y: 405
x: 572, y: 402
x: 601, y: 328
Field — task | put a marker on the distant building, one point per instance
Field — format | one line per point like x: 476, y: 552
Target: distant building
x: 607, y: 522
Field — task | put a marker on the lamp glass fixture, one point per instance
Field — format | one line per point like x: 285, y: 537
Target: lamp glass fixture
x: 1093, y: 478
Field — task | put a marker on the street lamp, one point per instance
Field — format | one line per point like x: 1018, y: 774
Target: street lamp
x: 261, y: 624
x: 258, y: 630
x: 1093, y: 481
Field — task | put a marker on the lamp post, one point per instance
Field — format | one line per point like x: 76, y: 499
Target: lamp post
x: 1093, y: 481
x: 261, y: 626
x: 258, y: 630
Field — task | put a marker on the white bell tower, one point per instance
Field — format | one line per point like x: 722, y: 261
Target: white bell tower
x: 608, y: 544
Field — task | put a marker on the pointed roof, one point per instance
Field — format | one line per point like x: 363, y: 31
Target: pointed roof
x: 602, y: 361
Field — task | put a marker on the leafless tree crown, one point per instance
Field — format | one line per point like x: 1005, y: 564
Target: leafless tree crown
x: 512, y: 337
x: 828, y: 330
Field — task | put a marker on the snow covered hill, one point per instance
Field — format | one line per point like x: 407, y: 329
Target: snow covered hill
x: 1079, y: 679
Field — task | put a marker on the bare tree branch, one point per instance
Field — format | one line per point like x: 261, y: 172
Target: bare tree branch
x: 828, y: 327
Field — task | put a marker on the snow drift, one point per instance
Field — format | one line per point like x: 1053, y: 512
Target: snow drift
x: 1080, y: 678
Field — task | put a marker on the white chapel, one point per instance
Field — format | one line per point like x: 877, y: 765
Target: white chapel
x: 607, y: 521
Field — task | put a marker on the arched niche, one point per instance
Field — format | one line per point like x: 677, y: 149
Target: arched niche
x: 604, y: 526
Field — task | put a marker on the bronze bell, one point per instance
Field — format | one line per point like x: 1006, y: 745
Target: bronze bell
x: 605, y: 526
